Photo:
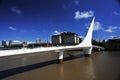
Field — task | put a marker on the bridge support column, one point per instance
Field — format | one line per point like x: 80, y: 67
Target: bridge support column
x: 60, y: 57
x: 99, y: 49
x: 87, y: 51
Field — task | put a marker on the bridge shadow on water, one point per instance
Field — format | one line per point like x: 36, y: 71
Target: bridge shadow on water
x: 14, y: 71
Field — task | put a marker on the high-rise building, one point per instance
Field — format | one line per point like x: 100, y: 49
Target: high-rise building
x: 10, y: 43
x: 69, y: 38
x: 57, y: 40
x: 65, y: 38
x: 4, y: 43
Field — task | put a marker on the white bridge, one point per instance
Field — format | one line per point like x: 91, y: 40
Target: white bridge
x: 86, y: 45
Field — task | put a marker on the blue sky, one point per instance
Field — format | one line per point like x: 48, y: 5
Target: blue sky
x: 29, y: 20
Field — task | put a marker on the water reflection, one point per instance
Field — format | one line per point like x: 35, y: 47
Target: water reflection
x: 90, y: 69
x: 24, y: 61
x: 61, y: 72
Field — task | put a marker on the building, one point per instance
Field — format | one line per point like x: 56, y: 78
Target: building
x: 69, y: 38
x: 113, y: 44
x: 10, y: 43
x: 66, y: 38
x: 4, y: 43
x: 57, y: 40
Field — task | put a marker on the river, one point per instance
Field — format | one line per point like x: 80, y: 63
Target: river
x: 43, y: 66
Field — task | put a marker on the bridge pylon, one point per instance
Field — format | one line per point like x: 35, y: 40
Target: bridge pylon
x: 87, y: 42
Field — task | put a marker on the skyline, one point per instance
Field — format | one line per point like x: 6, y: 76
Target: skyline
x: 29, y: 20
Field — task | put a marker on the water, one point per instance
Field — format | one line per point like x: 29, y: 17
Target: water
x: 99, y: 66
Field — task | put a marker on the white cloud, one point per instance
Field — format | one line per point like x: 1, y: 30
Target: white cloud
x: 16, y: 42
x: 83, y: 15
x: 12, y: 28
x: 56, y: 32
x: 81, y: 37
x: 28, y: 42
x: 15, y: 10
x: 97, y: 26
x: 111, y: 29
x: 112, y: 36
x: 116, y: 13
